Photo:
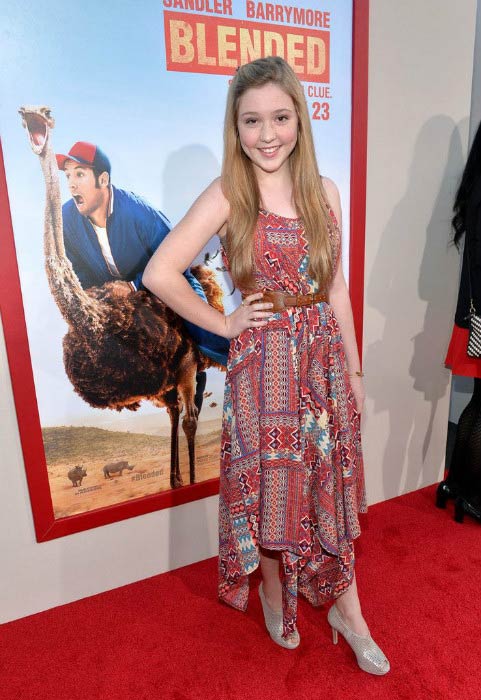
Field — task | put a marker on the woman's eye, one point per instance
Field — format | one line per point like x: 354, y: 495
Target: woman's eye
x: 251, y: 120
x: 282, y: 118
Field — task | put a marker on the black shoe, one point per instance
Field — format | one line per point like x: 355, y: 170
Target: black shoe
x: 444, y: 491
x: 462, y: 507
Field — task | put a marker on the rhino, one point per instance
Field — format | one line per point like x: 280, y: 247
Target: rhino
x: 115, y: 467
x: 76, y: 475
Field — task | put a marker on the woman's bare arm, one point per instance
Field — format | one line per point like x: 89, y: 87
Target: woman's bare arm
x: 164, y: 272
x: 341, y: 303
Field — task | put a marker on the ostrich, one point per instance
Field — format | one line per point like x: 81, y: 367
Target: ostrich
x: 121, y: 346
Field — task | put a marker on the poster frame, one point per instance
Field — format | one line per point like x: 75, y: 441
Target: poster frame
x: 47, y: 527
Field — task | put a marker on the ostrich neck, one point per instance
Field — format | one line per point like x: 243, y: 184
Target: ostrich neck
x: 54, y: 244
x: 77, y: 307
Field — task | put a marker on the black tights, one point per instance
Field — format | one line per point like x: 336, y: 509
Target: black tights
x: 465, y: 470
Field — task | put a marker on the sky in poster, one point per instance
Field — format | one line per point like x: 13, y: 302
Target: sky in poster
x: 101, y: 68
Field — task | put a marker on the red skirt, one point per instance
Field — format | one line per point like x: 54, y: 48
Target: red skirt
x: 457, y: 358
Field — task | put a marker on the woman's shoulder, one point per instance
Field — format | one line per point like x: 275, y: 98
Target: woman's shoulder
x: 331, y: 190
x: 332, y: 196
x: 216, y: 198
x: 215, y: 193
x: 212, y: 206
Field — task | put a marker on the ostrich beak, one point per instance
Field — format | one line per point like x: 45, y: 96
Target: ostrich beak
x: 38, y: 121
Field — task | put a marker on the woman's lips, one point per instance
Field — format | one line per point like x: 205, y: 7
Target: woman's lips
x: 269, y: 152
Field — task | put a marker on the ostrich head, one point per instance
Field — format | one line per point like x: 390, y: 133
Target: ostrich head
x: 38, y: 121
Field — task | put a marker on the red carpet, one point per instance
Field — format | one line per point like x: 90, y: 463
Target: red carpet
x: 419, y: 576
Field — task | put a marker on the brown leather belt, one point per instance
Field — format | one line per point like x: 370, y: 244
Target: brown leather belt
x: 282, y: 300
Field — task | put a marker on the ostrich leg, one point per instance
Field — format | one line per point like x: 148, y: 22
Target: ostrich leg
x: 173, y: 409
x: 189, y: 426
x: 187, y: 391
x: 201, y: 380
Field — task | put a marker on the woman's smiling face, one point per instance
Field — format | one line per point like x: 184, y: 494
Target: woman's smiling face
x: 267, y: 125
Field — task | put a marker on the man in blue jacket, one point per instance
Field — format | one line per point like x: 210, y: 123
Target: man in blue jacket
x: 111, y: 234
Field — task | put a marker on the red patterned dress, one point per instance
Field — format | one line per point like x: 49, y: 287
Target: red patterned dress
x: 291, y: 476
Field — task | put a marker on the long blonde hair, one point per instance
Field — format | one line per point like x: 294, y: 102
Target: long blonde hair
x: 239, y: 182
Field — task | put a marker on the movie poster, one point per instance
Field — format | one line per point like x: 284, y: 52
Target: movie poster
x: 146, y: 83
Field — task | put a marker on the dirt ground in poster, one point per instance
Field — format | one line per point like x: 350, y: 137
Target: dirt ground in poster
x: 93, y: 448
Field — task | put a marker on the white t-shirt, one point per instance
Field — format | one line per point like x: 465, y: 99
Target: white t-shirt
x: 104, y: 241
x: 105, y: 248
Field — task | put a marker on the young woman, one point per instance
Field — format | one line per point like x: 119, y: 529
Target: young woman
x: 291, y: 481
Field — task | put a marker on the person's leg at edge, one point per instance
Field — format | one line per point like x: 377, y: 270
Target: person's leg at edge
x: 271, y: 582
x: 272, y: 586
x: 349, y: 607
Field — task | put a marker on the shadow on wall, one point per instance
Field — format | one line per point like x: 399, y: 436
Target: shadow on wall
x: 433, y: 177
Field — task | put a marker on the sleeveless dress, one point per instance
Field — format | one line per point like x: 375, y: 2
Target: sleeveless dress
x: 291, y: 473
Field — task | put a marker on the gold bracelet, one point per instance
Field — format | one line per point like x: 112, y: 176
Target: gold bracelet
x: 357, y: 374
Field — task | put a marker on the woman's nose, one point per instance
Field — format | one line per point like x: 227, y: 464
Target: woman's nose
x: 267, y: 133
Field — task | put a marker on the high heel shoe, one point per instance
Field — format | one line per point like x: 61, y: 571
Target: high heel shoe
x: 274, y: 625
x: 369, y: 656
x: 444, y: 491
x: 463, y: 506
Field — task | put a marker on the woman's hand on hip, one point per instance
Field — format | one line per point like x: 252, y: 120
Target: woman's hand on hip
x: 251, y: 313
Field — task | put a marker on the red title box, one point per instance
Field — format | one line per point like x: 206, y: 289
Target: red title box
x: 218, y: 45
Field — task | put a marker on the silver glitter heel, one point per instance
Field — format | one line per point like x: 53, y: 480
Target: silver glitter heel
x: 369, y: 656
x: 274, y: 625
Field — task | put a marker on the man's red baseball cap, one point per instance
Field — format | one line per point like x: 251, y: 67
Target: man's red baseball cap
x: 86, y: 154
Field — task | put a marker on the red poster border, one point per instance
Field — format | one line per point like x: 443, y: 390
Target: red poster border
x: 13, y: 318
x: 360, y: 79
